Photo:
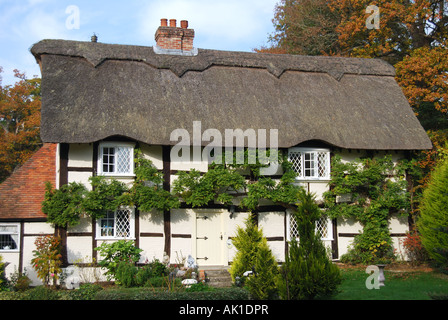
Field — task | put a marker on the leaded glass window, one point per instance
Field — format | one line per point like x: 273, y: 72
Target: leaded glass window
x: 117, y: 225
x: 116, y: 159
x: 9, y: 236
x: 312, y: 164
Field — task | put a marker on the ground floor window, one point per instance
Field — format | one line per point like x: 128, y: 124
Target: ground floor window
x: 9, y: 236
x: 117, y: 224
x: 324, y: 227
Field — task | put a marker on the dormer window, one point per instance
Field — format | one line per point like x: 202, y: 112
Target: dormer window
x: 310, y: 164
x: 116, y: 159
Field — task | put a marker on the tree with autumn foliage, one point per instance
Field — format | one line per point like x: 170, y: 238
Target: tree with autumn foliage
x: 412, y: 36
x: 305, y: 27
x: 19, y: 122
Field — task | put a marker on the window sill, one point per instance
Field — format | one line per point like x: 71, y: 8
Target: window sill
x: 312, y: 179
x: 116, y: 175
x: 113, y: 238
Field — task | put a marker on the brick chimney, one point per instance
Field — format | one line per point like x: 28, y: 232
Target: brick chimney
x: 174, y: 40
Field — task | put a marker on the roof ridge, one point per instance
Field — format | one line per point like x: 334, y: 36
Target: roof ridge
x: 96, y: 53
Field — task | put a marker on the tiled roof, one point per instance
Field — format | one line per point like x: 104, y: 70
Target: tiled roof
x: 21, y: 195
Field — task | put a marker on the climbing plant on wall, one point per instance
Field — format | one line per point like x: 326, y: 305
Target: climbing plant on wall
x: 369, y: 190
x: 65, y: 206
x: 221, y: 183
x: 224, y: 182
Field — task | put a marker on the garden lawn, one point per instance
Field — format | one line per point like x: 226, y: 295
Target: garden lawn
x: 398, y: 286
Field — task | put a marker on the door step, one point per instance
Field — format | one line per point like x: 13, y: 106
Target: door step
x: 217, y: 277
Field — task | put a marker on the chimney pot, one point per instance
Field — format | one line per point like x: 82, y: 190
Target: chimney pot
x: 172, y: 22
x: 184, y: 24
x: 164, y: 22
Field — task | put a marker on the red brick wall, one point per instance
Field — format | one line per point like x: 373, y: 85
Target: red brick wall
x: 21, y: 195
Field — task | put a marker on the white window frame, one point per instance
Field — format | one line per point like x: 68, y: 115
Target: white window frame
x: 116, y: 145
x: 114, y: 236
x: 17, y: 225
x: 329, y: 237
x: 315, y: 152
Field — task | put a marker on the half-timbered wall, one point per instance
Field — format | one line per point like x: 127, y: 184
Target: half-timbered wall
x: 178, y: 233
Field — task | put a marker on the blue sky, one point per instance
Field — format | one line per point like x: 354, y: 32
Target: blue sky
x: 237, y: 25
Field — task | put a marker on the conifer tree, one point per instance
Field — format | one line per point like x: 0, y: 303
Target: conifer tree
x: 246, y: 242
x: 262, y: 284
x: 308, y: 271
x: 433, y: 220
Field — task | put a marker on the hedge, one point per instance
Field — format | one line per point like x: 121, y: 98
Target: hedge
x: 151, y: 294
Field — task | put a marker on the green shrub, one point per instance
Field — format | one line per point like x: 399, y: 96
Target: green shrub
x: 262, y: 284
x: 23, y: 283
x: 158, y: 269
x: 41, y: 293
x: 246, y: 243
x: 125, y: 274
x: 374, y: 196
x: 154, y: 269
x: 307, y: 271
x: 199, y: 287
x: 86, y: 291
x: 2, y: 273
x: 129, y: 275
x: 151, y: 294
x: 433, y: 220
x: 115, y: 252
x: 19, y: 281
x: 163, y: 282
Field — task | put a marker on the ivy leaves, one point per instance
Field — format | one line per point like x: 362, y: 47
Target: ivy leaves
x: 368, y: 190
x: 283, y: 192
x: 216, y: 184
x: 221, y: 183
x: 147, y: 192
x: 106, y: 195
x: 64, y: 206
x: 365, y: 185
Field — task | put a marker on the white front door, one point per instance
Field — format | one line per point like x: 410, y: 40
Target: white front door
x: 210, y: 238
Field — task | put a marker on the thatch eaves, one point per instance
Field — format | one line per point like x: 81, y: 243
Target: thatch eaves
x: 91, y: 91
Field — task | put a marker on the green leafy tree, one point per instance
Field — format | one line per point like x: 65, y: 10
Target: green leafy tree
x: 433, y: 220
x: 307, y: 272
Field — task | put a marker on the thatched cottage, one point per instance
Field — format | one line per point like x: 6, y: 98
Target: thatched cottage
x: 99, y: 101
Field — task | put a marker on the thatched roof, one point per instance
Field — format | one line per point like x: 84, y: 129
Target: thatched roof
x: 91, y: 91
